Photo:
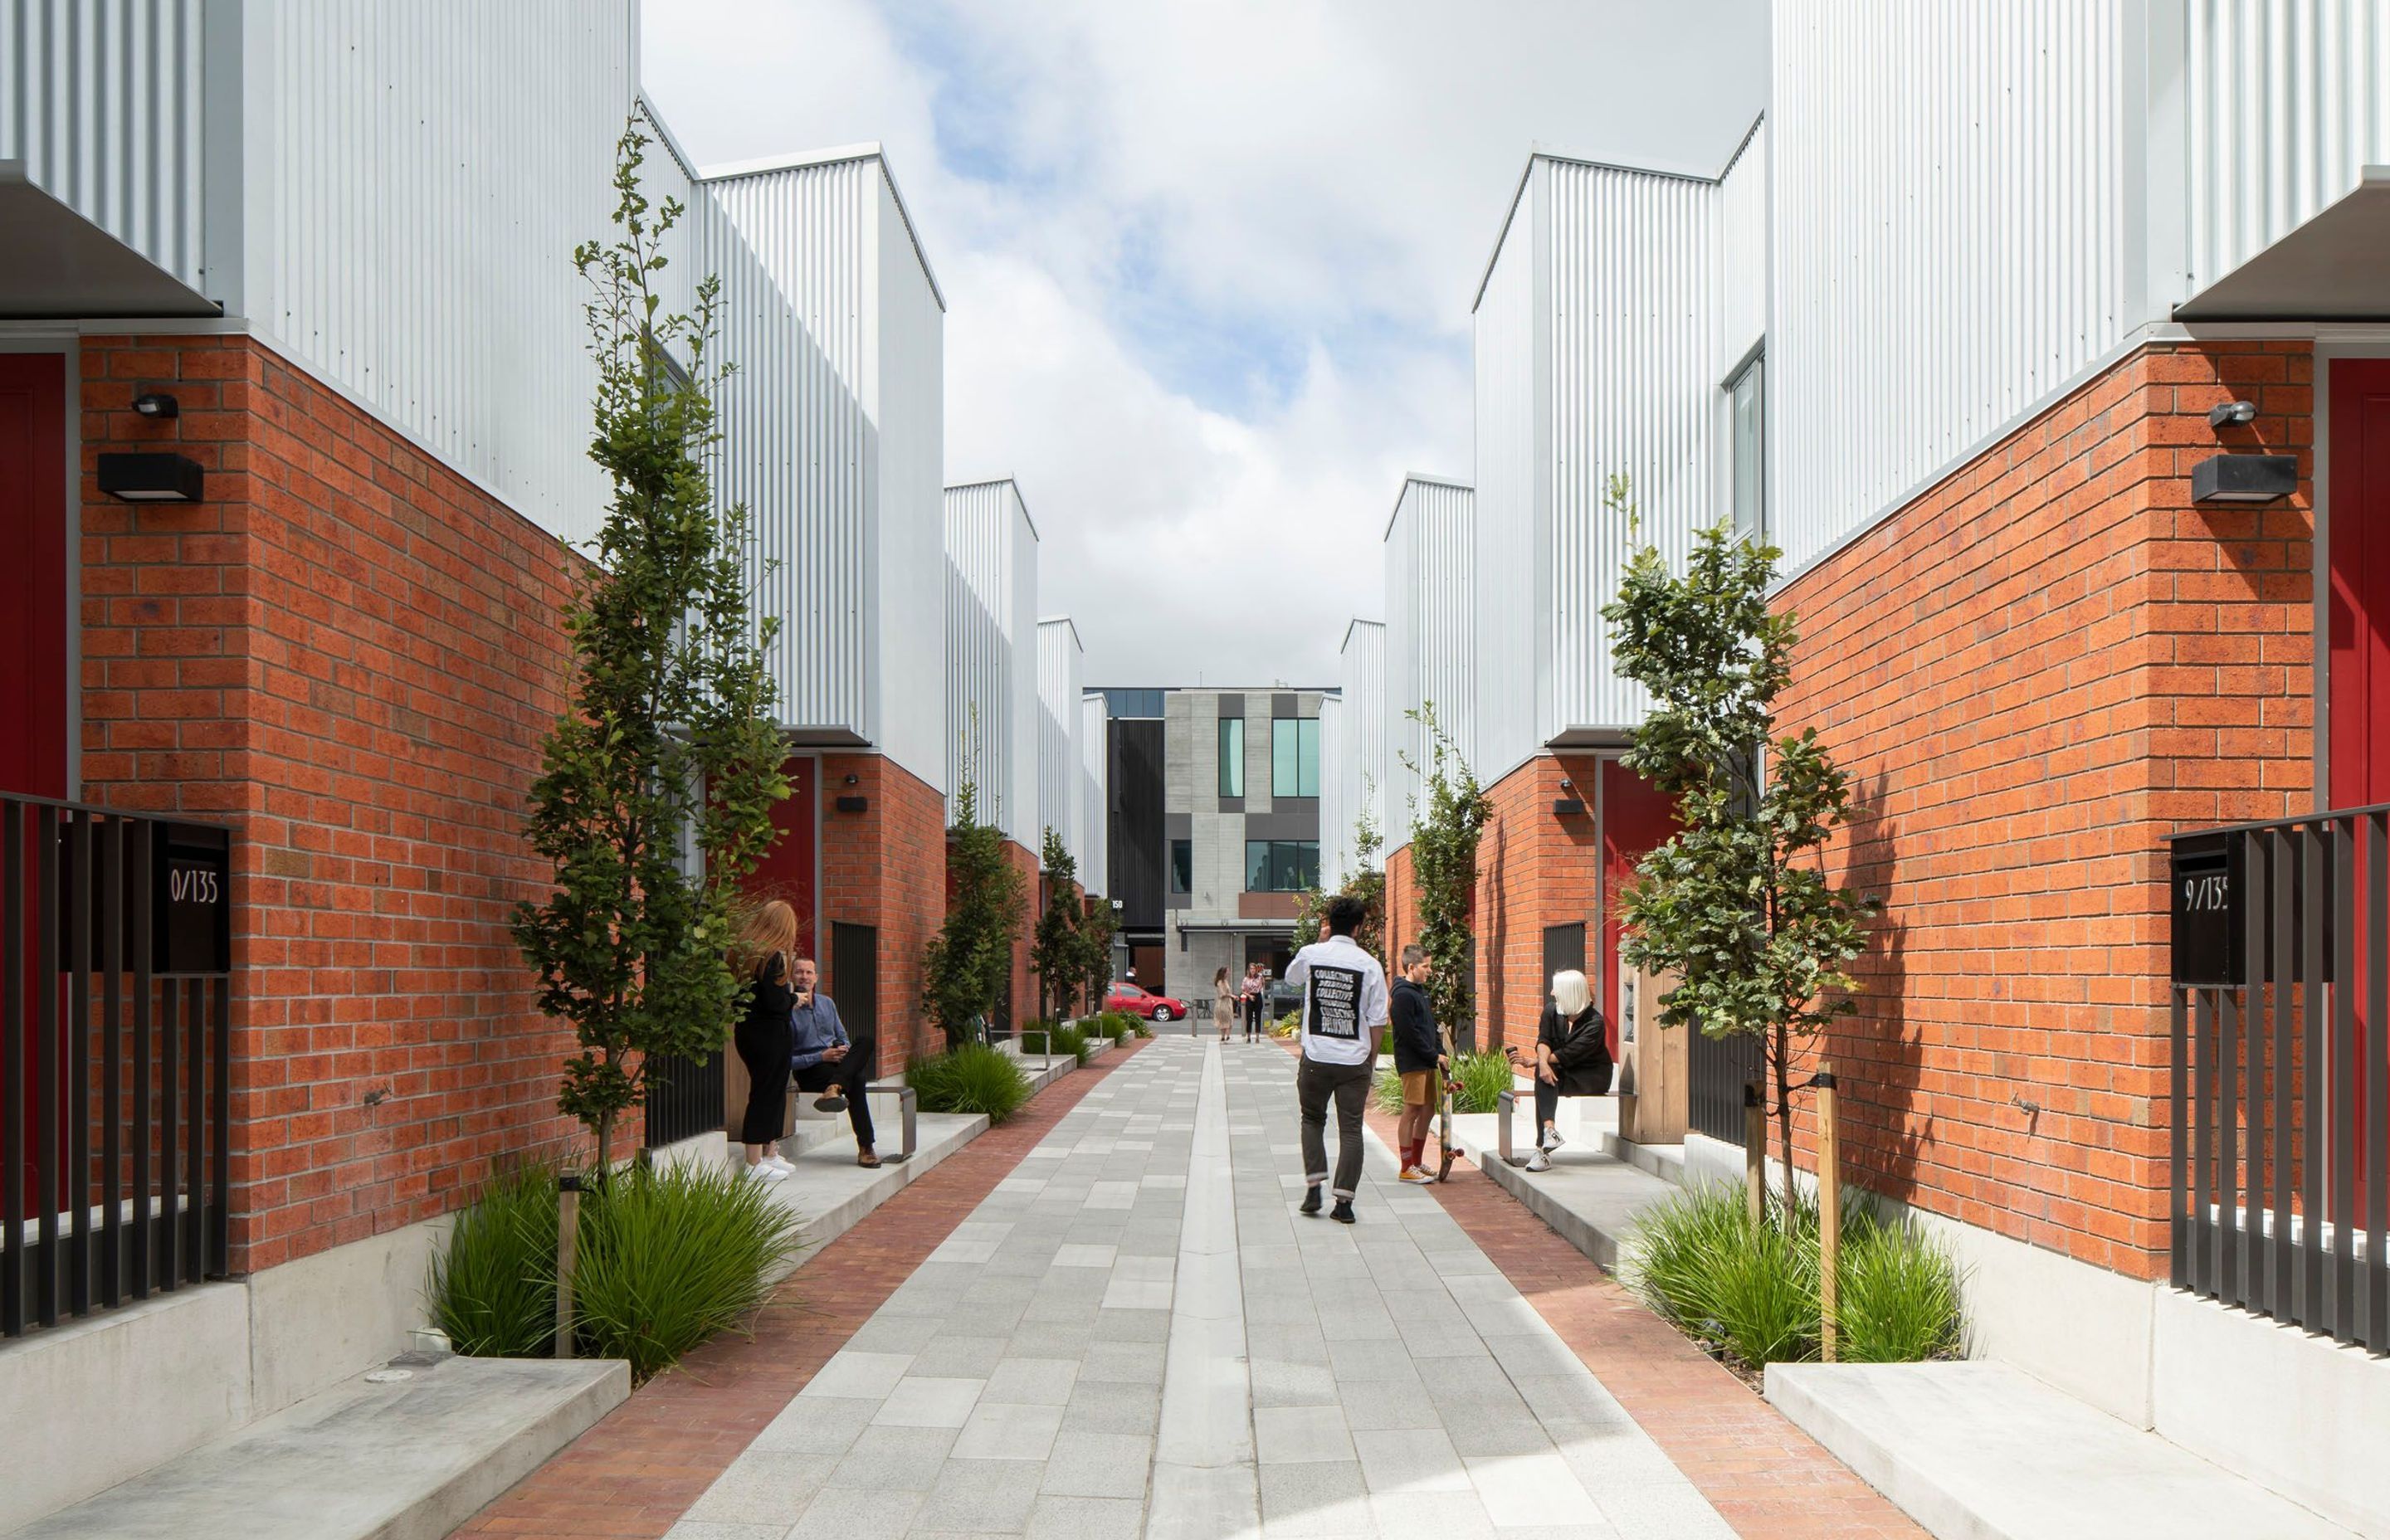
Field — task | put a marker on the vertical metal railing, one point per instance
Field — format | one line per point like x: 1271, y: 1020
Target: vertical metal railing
x: 2279, y: 1080
x: 684, y: 1097
x: 1717, y: 1069
x: 115, y: 1057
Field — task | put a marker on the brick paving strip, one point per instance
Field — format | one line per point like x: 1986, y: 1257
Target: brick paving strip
x: 637, y: 1471
x: 1765, y: 1477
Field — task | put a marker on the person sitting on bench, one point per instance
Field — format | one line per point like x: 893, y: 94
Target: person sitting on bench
x: 1571, y: 1058
x: 825, y: 1060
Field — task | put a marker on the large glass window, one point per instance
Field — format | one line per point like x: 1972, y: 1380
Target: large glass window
x: 1294, y: 757
x: 1232, y: 756
x: 1281, y: 866
x: 1182, y: 865
x: 1750, y: 394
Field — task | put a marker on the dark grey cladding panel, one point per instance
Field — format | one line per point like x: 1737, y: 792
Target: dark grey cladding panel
x: 1288, y: 818
x: 1284, y: 704
x: 1178, y: 825
x: 1232, y: 705
x: 1232, y: 804
x: 1178, y: 901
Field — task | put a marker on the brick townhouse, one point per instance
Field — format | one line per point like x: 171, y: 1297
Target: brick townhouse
x: 292, y: 449
x: 2065, y: 422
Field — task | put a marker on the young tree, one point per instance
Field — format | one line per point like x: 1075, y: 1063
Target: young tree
x: 1096, y: 932
x: 1444, y: 867
x: 1736, y: 903
x: 1054, y: 945
x: 966, y: 965
x: 669, y: 750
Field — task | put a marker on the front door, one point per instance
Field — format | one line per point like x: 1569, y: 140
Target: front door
x: 34, y: 577
x: 787, y: 869
x: 1636, y: 819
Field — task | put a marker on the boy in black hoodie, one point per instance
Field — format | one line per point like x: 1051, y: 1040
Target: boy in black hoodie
x: 1419, y: 1059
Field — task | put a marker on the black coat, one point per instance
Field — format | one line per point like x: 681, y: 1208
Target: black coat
x: 1580, y: 1048
x: 1415, y: 1045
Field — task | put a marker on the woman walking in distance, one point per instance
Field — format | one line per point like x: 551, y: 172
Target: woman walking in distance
x: 766, y: 946
x: 1224, y: 1005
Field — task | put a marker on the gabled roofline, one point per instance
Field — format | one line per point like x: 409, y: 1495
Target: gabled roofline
x: 869, y: 150
x: 1003, y: 481
x: 1044, y: 620
x: 1543, y: 152
x: 1355, y: 625
x: 1423, y: 480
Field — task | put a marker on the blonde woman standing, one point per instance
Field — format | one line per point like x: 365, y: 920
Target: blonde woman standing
x: 1224, y: 1005
x: 766, y: 957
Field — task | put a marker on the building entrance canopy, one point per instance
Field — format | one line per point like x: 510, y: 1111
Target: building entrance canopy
x: 57, y: 263
x: 2328, y: 269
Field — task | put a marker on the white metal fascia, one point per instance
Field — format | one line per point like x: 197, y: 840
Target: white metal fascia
x: 1044, y: 621
x: 1421, y: 478
x: 867, y: 150
x: 1002, y: 482
x: 1355, y: 625
x: 664, y: 136
x: 1542, y: 152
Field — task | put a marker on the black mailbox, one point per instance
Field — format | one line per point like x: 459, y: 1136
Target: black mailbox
x: 190, y: 897
x: 2210, y: 890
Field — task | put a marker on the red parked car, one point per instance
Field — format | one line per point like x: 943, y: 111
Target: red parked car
x: 1140, y: 1002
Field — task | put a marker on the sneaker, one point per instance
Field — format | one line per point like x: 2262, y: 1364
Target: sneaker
x: 1541, y: 1161
x: 1552, y: 1139
x: 1416, y: 1176
x: 786, y: 1166
x: 1343, y: 1211
x: 764, y: 1171
x: 830, y: 1103
x: 1311, y: 1201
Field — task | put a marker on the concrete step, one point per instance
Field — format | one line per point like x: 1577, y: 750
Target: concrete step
x: 1589, y: 1198
x: 409, y: 1460
x: 1664, y: 1160
x: 1981, y: 1451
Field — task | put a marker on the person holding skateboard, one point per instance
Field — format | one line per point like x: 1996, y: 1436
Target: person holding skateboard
x: 1344, y: 1011
x: 1419, y: 1059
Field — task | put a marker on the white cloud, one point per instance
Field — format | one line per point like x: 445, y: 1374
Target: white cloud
x: 1208, y: 267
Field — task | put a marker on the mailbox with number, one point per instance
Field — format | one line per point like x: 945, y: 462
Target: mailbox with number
x: 2209, y: 928
x: 191, y: 898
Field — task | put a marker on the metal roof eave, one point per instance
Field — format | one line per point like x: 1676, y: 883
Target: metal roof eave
x: 56, y: 264
x: 2328, y: 268
x: 869, y: 150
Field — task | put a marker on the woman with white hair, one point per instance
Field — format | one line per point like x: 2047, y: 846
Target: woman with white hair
x: 1571, y: 1058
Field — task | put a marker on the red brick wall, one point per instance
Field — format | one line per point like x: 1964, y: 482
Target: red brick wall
x: 1534, y: 868
x: 886, y: 867
x: 2033, y: 673
x: 350, y: 654
x: 1024, y: 982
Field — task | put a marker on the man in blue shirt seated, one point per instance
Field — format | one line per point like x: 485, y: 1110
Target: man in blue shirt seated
x: 823, y: 1059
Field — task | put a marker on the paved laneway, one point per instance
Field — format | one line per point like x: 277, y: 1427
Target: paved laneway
x: 1135, y: 1333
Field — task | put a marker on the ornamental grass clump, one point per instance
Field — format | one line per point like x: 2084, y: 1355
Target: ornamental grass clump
x: 672, y: 1256
x: 1751, y: 1295
x: 664, y: 1260
x: 1479, y: 1079
x: 972, y: 1078
x: 1070, y: 1037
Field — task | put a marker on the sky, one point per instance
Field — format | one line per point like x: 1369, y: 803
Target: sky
x: 1208, y: 267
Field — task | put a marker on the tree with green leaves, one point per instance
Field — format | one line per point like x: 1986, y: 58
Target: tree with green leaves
x: 656, y: 786
x: 968, y: 962
x: 1736, y: 904
x: 1054, y: 944
x: 1444, y: 867
x: 1097, y: 930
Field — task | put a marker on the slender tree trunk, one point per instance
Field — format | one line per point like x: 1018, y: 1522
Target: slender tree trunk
x: 1784, y: 1117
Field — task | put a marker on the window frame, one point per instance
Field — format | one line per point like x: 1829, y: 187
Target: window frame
x: 1754, y: 375
x: 1304, y: 732
x: 1286, y: 865
x: 1182, y: 878
x: 1232, y: 760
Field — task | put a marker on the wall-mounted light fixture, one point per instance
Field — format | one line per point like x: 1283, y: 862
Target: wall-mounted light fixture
x: 157, y: 405
x: 2244, y: 478
x: 2231, y: 411
x: 853, y: 804
x: 156, y: 477
x: 1568, y: 807
x: 854, y: 781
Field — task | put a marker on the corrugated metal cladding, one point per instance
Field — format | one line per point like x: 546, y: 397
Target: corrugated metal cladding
x: 104, y: 104
x: 991, y: 667
x: 1514, y: 441
x: 1352, y: 756
x: 1741, y: 253
x: 417, y: 178
x: 1950, y: 236
x: 1095, y: 786
x: 1335, y: 823
x: 854, y: 529
x: 1431, y: 632
x: 2287, y: 101
x: 1059, y: 764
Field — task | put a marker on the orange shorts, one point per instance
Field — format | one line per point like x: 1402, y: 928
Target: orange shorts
x: 1418, y: 1087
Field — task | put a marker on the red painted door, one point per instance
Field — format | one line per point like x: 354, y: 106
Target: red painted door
x: 34, y: 577
x: 33, y: 683
x: 1635, y: 819
x: 787, y: 869
x: 2358, y: 685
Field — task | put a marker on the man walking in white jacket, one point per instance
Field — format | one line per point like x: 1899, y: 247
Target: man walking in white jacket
x: 1344, y: 1014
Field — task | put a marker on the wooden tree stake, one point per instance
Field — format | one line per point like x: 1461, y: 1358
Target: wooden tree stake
x: 1830, y: 1212
x: 568, y: 1236
x: 1755, y: 1153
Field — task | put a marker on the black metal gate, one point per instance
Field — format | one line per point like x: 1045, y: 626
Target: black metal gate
x: 115, y: 1057
x: 684, y: 1097
x: 1719, y: 1069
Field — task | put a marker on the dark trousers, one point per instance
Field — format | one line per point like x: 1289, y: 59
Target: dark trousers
x: 1315, y: 1083
x: 1547, y: 1104
x: 1253, y: 1017
x: 765, y: 1054
x: 849, y: 1075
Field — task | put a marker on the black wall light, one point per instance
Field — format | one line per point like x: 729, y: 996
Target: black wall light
x: 2244, y: 478
x: 155, y: 477
x: 157, y: 405
x: 853, y: 804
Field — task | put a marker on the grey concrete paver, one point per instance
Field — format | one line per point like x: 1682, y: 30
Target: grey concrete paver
x: 1136, y: 1335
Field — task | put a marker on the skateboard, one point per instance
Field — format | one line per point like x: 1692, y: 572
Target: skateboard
x: 1444, y: 1108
